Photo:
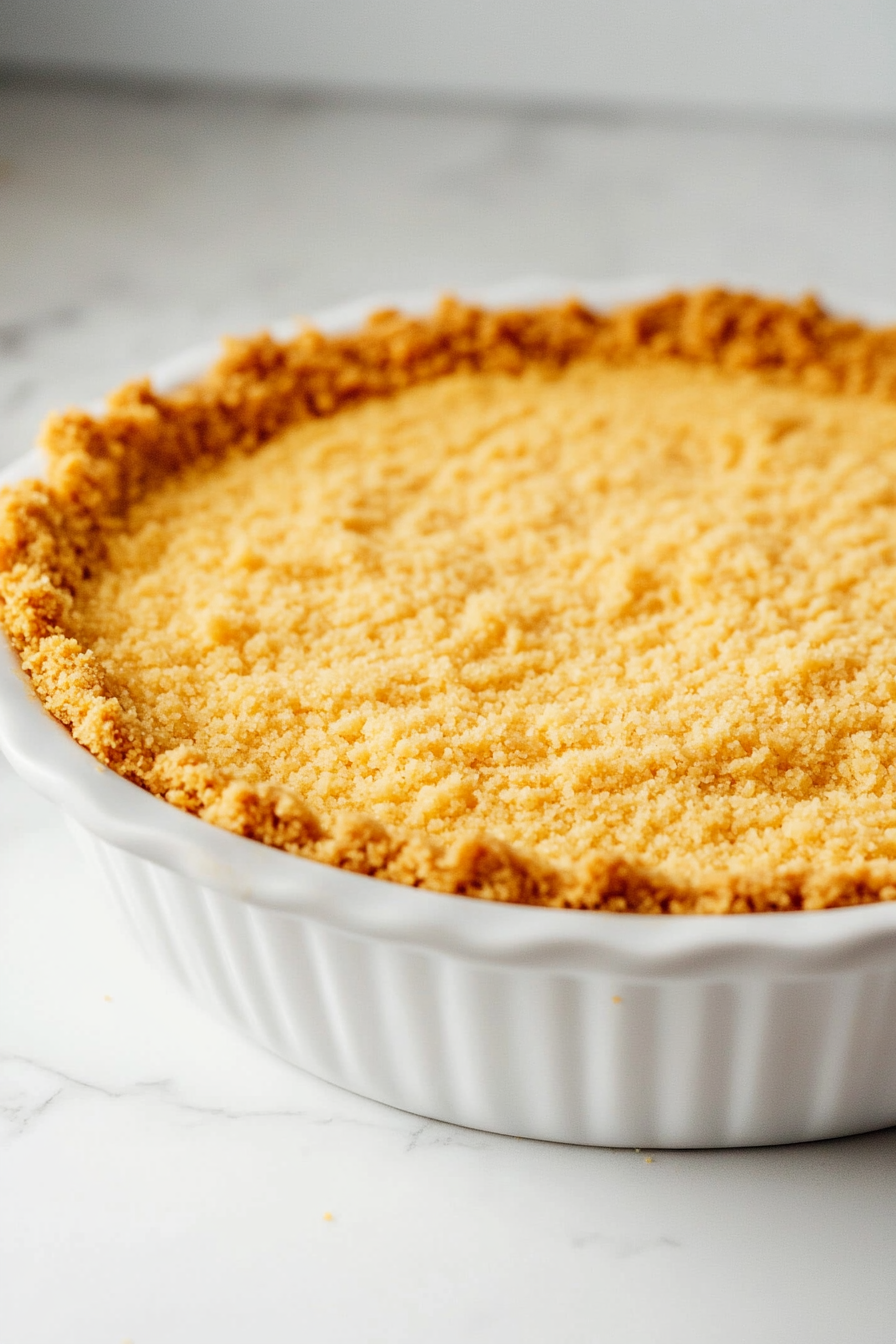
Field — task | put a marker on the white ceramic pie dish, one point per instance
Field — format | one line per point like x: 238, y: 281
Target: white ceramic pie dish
x: 624, y: 1030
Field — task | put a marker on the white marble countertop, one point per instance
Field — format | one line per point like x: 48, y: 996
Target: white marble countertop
x: 165, y: 1182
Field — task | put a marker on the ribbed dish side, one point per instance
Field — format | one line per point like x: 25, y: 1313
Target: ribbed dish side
x: 536, y: 1053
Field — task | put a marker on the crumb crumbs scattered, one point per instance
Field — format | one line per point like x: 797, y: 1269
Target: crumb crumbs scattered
x: 617, y: 998
x: 648, y: 1159
x: 107, y: 998
x: 328, y: 1217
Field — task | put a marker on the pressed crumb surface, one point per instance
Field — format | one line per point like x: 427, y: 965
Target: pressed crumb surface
x: 648, y: 610
x: 608, y: 632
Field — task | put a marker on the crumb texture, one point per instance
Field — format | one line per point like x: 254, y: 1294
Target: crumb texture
x: 601, y: 615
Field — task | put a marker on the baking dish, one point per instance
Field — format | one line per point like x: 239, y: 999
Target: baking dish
x: 582, y: 1027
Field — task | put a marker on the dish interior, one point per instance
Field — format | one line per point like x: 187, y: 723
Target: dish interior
x: 645, y: 610
x: 590, y: 631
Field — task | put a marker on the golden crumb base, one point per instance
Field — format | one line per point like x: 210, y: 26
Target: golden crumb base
x: 553, y: 607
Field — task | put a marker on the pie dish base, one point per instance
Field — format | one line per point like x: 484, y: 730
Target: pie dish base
x: 605, y: 1057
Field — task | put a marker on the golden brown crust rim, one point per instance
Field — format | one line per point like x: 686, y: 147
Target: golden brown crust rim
x: 52, y: 534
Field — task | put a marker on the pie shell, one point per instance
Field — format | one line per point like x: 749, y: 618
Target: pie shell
x: 51, y: 534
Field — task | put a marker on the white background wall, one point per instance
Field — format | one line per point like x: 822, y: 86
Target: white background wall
x: 814, y: 56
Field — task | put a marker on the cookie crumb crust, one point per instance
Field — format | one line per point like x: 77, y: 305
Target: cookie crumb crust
x: 707, y: 457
